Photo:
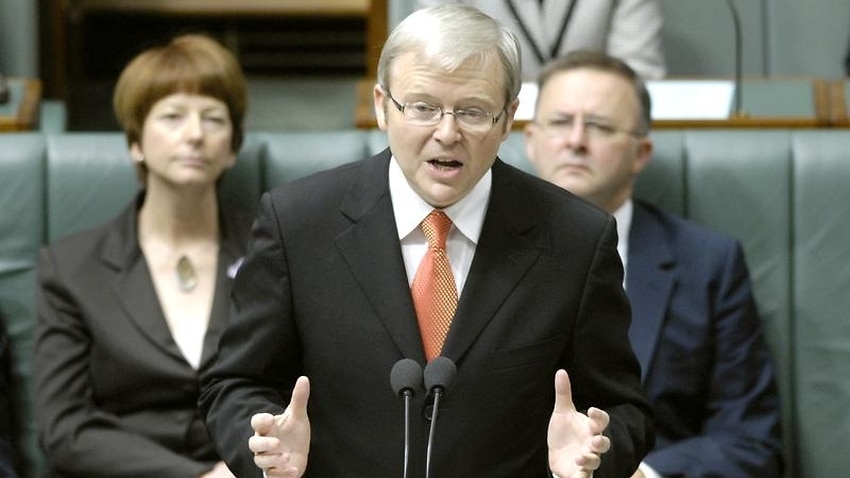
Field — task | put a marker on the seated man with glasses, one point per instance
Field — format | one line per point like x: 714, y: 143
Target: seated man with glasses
x: 433, y: 250
x: 695, y: 327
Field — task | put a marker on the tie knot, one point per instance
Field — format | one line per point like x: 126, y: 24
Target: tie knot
x: 436, y: 228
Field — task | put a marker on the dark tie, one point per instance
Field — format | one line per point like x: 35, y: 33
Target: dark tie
x: 433, y: 290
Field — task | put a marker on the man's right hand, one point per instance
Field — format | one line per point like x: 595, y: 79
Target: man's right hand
x: 281, y: 443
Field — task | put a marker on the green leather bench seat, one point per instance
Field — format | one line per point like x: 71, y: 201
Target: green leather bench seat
x: 22, y: 191
x: 783, y: 194
x: 820, y: 302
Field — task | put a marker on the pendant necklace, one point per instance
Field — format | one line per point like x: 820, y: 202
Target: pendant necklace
x: 187, y: 279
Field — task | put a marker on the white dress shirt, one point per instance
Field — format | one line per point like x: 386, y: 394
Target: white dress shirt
x: 467, y: 216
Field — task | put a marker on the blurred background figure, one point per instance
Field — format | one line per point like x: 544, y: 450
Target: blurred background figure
x: 130, y: 312
x: 627, y: 29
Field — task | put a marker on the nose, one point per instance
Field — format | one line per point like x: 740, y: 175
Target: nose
x: 447, y: 130
x: 577, y: 135
x: 194, y: 127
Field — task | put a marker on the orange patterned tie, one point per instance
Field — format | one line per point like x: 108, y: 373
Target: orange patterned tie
x: 434, y: 292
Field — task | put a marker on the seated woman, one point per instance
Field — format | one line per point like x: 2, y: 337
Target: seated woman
x: 130, y: 312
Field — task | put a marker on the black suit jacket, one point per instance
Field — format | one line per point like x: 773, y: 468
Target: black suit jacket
x: 114, y: 396
x: 7, y: 449
x: 323, y: 292
x: 700, y: 341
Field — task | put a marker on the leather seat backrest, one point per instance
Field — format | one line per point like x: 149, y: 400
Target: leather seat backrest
x: 293, y: 155
x: 821, y: 301
x: 22, y: 196
x: 90, y: 179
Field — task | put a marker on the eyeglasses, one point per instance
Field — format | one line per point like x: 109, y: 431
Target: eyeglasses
x: 421, y: 113
x: 593, y: 128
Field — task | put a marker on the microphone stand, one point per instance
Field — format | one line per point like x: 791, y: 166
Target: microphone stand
x: 407, y: 396
x: 439, y: 375
x: 406, y: 378
x: 4, y: 90
x: 438, y: 392
x: 738, y: 108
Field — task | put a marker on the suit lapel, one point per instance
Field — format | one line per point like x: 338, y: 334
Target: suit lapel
x: 131, y: 283
x: 218, y: 313
x: 373, y: 253
x: 493, y: 274
x: 544, y: 26
x: 229, y: 259
x: 654, y: 264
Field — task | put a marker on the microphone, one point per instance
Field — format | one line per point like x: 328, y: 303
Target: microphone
x: 439, y: 377
x: 739, y: 68
x: 406, y: 379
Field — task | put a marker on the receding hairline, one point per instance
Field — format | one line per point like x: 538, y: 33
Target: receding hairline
x: 600, y: 62
x: 431, y: 32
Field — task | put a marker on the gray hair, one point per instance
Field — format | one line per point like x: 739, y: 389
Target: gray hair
x: 449, y: 35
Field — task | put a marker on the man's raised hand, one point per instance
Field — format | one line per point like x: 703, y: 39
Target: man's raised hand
x: 576, y: 442
x: 281, y: 443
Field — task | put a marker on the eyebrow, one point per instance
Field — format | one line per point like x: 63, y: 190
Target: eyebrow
x: 587, y: 116
x: 203, y: 108
x: 477, y: 101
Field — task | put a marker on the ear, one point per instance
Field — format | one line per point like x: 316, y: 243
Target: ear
x: 643, y: 155
x: 380, y: 99
x: 509, y: 120
x: 530, y: 147
x: 136, y: 153
x: 231, y: 160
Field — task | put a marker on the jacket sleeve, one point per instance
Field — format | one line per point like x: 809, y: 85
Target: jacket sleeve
x: 255, y: 370
x: 604, y: 370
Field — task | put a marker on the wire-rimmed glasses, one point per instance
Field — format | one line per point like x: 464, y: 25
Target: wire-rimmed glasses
x: 422, y: 113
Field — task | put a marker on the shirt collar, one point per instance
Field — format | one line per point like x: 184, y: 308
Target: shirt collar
x: 623, y: 216
x: 467, y: 214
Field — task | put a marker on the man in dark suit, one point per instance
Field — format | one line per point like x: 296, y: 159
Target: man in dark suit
x: 325, y: 293
x: 695, y: 328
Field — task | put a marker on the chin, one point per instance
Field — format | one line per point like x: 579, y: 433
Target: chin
x: 441, y: 201
x: 575, y: 187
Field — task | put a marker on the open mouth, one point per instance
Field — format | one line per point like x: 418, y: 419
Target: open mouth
x: 445, y: 164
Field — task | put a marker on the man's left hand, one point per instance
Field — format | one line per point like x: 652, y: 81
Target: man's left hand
x: 576, y: 442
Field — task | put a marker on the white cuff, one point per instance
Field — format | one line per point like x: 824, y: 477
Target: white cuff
x: 648, y: 472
